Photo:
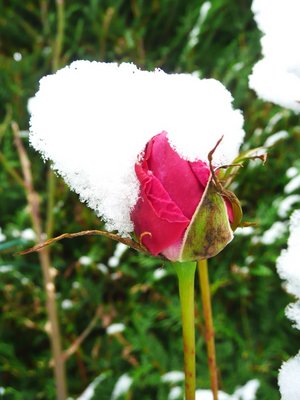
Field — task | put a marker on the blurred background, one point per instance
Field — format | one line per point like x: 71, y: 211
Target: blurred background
x: 99, y: 285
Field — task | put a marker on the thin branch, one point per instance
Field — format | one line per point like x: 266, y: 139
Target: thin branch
x: 48, y: 277
x: 11, y: 171
x: 129, y: 242
x: 78, y: 341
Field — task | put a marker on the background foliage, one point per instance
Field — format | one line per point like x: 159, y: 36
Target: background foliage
x: 253, y: 336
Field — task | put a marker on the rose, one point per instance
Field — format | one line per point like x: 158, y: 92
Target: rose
x: 171, y: 189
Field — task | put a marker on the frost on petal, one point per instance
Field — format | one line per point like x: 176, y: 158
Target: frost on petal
x: 288, y: 262
x: 93, y: 119
x: 289, y: 379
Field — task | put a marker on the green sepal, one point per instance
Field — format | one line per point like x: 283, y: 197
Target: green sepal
x: 209, y: 230
x: 236, y: 208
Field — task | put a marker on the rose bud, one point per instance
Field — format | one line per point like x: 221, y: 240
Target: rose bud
x: 180, y: 214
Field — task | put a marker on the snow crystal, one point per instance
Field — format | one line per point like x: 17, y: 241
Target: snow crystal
x: 93, y: 120
x: 115, y: 328
x: 276, y: 77
x: 122, y: 386
x: 172, y: 377
x: 289, y: 379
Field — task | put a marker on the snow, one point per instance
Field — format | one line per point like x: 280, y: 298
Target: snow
x: 288, y: 261
x: 289, y: 379
x: 28, y: 234
x: 195, y: 32
x: 275, y: 232
x: 93, y: 120
x: 246, y: 392
x: 293, y: 185
x: 89, y: 392
x: 276, y: 77
x: 115, y: 328
x: 175, y: 393
x: 159, y: 273
x: 122, y: 386
x: 244, y: 231
x: 173, y: 377
x: 2, y: 236
x: 288, y: 269
x: 67, y: 304
x: 85, y: 260
x: 291, y: 172
x: 286, y: 204
x: 114, y: 261
x: 273, y: 139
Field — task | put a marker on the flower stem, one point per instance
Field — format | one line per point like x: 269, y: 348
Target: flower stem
x: 209, y: 328
x: 186, y: 276
x: 53, y: 328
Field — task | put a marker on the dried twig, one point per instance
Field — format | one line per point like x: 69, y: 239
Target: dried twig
x: 129, y: 242
x: 48, y: 278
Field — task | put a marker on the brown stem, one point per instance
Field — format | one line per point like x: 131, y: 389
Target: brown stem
x: 209, y: 328
x: 53, y: 329
x: 11, y: 171
x: 77, y: 342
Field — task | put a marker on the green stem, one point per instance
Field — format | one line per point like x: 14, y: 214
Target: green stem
x: 209, y: 328
x: 186, y: 276
x: 58, y: 44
